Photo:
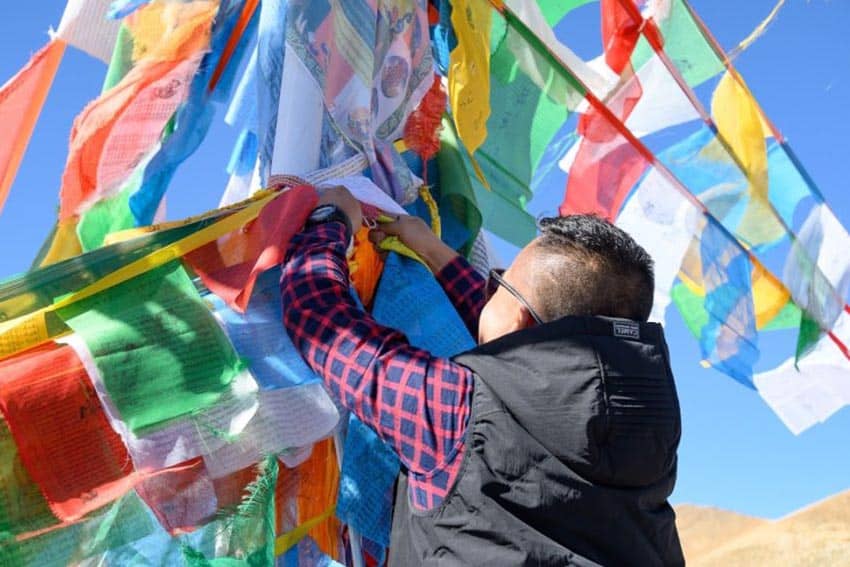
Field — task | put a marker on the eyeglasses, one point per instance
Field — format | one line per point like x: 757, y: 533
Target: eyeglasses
x: 495, y: 280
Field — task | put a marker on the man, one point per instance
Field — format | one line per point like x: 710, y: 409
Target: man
x: 552, y: 443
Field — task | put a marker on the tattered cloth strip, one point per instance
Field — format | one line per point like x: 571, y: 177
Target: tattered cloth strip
x: 62, y: 434
x: 112, y: 134
x: 758, y: 31
x: 189, y: 125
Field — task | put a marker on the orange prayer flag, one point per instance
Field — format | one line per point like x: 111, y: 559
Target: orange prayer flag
x: 21, y: 99
x: 319, y: 481
x: 367, y: 266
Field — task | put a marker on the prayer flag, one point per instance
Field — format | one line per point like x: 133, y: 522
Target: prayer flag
x: 160, y: 352
x: 115, y: 131
x: 230, y: 266
x: 728, y: 340
x: 63, y: 437
x: 21, y: 99
x: 808, y: 390
x: 85, y: 26
x: 469, y: 73
x: 663, y: 222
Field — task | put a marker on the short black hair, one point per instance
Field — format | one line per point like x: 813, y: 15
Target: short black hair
x: 584, y: 265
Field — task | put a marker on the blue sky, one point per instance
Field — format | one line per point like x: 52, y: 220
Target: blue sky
x: 735, y: 453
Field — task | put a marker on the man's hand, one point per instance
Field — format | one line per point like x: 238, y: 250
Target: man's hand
x: 342, y: 198
x: 417, y: 236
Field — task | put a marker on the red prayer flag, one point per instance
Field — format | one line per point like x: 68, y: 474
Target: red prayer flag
x: 607, y: 165
x: 63, y: 436
x: 229, y: 267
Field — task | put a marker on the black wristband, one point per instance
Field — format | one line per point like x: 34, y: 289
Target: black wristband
x: 331, y: 213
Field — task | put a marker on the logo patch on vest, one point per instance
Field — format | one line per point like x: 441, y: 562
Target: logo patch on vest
x: 627, y: 330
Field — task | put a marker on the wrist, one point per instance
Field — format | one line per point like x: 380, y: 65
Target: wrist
x: 437, y: 255
x: 331, y: 213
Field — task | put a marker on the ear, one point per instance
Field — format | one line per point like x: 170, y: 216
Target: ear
x: 520, y: 319
x: 527, y: 320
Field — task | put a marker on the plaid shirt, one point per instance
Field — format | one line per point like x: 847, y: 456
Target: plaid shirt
x: 416, y: 402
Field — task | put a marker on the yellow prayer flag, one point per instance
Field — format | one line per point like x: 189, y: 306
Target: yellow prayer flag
x: 469, y: 74
x: 171, y: 31
x: 65, y: 243
x: 769, y: 296
x: 741, y: 128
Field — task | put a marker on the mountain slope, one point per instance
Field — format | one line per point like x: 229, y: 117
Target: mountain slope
x: 816, y: 535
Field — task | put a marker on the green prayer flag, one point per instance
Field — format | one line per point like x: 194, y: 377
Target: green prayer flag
x: 24, y: 293
x: 531, y: 97
x: 124, y: 521
x: 122, y: 58
x: 456, y: 193
x: 809, y: 334
x: 22, y: 506
x: 787, y: 318
x: 685, y: 45
x: 157, y: 346
x: 691, y: 307
x: 555, y: 10
x: 108, y: 215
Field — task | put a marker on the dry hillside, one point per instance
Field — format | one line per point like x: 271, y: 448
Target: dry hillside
x: 817, y: 535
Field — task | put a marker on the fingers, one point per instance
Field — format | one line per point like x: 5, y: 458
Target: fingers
x: 376, y: 236
x: 392, y: 228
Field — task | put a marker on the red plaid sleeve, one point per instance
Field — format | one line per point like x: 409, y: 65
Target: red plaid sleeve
x: 416, y: 402
x: 465, y: 288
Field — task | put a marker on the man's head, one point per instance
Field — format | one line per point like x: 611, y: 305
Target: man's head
x: 579, y: 265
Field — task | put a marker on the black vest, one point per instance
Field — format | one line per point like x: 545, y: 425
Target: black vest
x: 570, y: 455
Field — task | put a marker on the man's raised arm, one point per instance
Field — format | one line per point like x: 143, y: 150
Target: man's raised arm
x: 464, y: 286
